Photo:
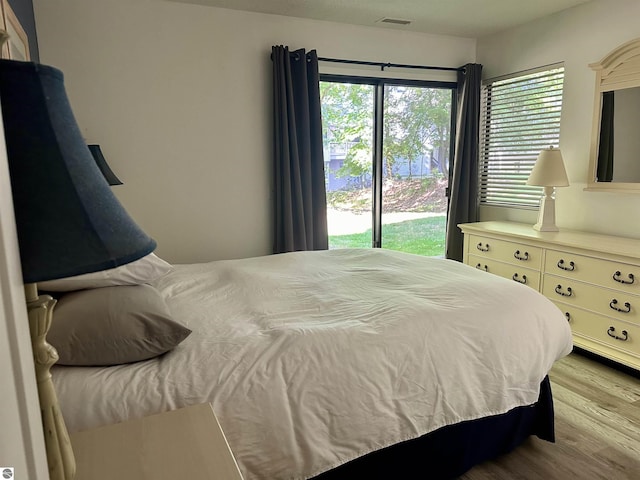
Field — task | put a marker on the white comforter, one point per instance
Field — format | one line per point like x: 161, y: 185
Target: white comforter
x: 311, y: 359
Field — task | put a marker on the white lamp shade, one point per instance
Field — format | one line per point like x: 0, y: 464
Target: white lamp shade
x: 549, y: 170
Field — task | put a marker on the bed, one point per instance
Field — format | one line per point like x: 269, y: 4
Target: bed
x: 354, y: 363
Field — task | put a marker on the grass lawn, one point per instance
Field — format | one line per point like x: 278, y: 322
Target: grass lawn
x: 424, y: 236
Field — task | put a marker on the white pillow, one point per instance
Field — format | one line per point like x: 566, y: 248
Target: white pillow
x: 145, y: 270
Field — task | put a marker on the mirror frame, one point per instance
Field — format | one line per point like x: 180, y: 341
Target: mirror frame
x: 618, y: 70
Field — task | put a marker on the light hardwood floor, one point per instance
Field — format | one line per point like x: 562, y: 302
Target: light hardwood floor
x: 597, y: 419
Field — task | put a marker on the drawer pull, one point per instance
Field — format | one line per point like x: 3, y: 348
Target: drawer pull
x: 613, y: 304
x: 517, y: 279
x: 616, y: 277
x: 481, y: 248
x: 612, y: 333
x: 568, y: 315
x: 480, y: 267
x: 521, y: 257
x: 560, y: 292
x: 570, y: 268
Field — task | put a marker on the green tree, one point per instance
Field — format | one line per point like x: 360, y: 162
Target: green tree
x: 347, y: 118
x: 416, y: 125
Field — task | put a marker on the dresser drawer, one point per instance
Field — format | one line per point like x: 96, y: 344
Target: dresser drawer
x: 504, y: 251
x: 526, y: 276
x: 616, y: 304
x: 610, y: 274
x: 603, y: 330
x: 601, y: 284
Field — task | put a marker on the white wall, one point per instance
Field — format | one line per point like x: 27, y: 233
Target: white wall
x: 179, y: 98
x: 578, y: 36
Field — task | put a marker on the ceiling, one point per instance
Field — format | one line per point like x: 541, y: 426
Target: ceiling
x: 465, y: 18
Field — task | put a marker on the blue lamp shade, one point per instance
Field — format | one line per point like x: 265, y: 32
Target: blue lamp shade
x: 68, y: 220
x: 107, y: 173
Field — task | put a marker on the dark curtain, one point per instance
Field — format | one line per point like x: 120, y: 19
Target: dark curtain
x: 463, y: 203
x: 605, y: 147
x: 300, y: 197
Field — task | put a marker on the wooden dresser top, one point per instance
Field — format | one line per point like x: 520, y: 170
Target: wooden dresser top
x: 629, y: 247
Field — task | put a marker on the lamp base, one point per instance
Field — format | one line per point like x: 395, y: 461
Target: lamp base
x: 547, y: 213
x: 62, y: 464
x: 545, y: 228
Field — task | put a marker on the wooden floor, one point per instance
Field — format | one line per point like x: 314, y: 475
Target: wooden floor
x: 597, y: 418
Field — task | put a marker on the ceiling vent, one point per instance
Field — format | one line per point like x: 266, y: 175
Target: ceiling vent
x: 395, y: 21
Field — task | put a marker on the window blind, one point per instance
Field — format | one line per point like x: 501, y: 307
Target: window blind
x: 520, y: 116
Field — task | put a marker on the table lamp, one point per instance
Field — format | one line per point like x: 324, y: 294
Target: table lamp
x: 108, y: 174
x: 98, y: 157
x: 68, y: 220
x: 548, y: 172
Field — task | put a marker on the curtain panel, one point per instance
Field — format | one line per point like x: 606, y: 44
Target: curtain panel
x: 299, y: 184
x: 605, y: 152
x: 463, y: 203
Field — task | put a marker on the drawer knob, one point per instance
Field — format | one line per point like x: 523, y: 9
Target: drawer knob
x: 480, y: 267
x: 617, y: 275
x: 568, y: 315
x: 559, y: 291
x: 521, y: 257
x: 612, y: 333
x: 483, y: 248
x: 626, y: 309
x: 522, y: 280
x: 570, y: 268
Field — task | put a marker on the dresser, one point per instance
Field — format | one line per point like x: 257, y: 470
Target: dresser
x: 594, y: 279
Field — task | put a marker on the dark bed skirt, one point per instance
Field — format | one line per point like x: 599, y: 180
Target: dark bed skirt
x: 450, y: 451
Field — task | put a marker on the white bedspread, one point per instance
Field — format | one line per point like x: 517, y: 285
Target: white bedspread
x: 311, y: 359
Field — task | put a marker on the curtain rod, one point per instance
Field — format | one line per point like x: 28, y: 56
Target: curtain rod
x: 388, y: 65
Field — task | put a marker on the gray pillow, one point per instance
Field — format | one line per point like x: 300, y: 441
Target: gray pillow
x: 113, y: 325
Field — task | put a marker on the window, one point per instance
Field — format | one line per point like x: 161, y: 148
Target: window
x: 387, y: 146
x: 520, y: 116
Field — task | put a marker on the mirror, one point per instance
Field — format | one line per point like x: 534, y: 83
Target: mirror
x: 615, y: 145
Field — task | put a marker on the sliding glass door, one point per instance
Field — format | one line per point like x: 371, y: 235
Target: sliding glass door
x: 388, y: 146
x: 347, y: 127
